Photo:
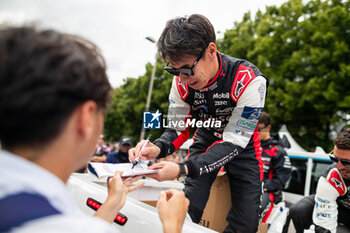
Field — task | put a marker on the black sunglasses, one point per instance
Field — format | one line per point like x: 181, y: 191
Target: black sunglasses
x: 185, y: 71
x: 261, y: 128
x: 345, y: 162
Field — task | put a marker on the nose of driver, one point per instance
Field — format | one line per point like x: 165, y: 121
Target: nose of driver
x: 184, y: 78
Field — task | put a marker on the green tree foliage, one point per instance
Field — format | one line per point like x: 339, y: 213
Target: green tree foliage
x: 125, y: 116
x: 304, y: 50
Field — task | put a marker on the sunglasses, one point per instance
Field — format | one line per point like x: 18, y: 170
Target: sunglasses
x: 345, y: 162
x: 261, y: 128
x: 185, y: 71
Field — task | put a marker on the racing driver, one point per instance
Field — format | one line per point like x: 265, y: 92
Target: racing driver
x: 227, y: 92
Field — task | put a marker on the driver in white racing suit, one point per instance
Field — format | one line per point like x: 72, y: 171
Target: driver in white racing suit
x: 329, y: 208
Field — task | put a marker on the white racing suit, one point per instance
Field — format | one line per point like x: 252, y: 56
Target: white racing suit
x: 327, y: 208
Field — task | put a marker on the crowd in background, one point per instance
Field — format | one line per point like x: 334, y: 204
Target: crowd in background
x: 117, y: 152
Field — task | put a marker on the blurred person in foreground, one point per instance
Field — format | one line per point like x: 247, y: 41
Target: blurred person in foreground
x: 229, y: 94
x: 53, y: 94
x: 277, y: 166
x: 329, y: 208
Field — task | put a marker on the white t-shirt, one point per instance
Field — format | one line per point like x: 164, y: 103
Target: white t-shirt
x: 21, y: 176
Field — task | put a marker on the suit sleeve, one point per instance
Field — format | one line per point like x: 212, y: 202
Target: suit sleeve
x: 325, y: 213
x: 179, y: 111
x: 237, y: 133
x: 281, y: 169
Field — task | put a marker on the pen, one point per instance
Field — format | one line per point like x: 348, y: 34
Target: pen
x: 137, y: 160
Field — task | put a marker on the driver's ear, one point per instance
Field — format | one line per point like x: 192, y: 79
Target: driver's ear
x: 211, y: 50
x: 269, y: 127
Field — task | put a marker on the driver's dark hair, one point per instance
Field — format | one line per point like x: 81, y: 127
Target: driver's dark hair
x: 44, y: 76
x: 185, y: 36
x: 265, y: 119
x: 342, y: 141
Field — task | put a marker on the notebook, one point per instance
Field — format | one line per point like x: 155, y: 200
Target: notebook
x: 102, y: 170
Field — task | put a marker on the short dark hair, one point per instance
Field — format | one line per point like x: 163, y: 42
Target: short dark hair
x: 44, y: 76
x: 185, y: 36
x: 265, y: 119
x: 342, y: 141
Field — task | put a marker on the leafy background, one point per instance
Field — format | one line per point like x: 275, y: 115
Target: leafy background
x: 304, y: 50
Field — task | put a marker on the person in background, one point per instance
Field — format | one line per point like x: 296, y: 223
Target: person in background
x: 120, y: 156
x: 177, y: 158
x: 113, y: 146
x: 54, y: 91
x: 329, y: 208
x: 101, y: 151
x: 276, y: 166
x: 158, y: 160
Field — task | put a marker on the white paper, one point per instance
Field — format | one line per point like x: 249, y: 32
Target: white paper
x: 108, y: 169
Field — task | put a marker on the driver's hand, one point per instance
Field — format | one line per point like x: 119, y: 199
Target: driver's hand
x: 150, y: 152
